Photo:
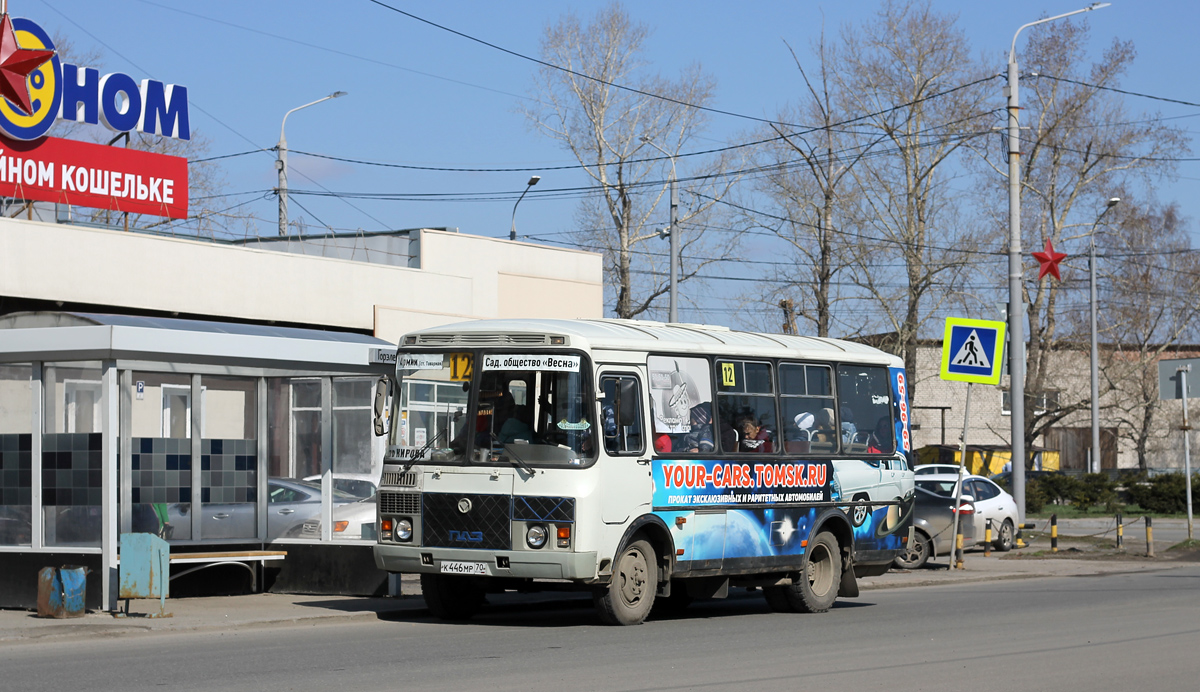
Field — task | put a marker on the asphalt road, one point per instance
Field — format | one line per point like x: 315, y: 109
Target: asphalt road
x: 1119, y: 631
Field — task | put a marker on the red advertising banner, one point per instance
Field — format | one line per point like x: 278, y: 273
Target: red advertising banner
x: 83, y: 174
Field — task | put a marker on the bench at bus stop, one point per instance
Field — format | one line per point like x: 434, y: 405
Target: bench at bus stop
x: 145, y: 564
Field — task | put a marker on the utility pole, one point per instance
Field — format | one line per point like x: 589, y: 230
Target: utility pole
x: 281, y: 162
x: 1016, y: 300
x: 673, y: 311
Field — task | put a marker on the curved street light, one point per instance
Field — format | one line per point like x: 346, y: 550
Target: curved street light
x: 1112, y: 202
x: 512, y: 231
x: 673, y: 309
x: 1016, y: 312
x: 281, y: 161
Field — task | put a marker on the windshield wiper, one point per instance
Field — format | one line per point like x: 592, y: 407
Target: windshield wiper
x: 420, y: 453
x: 518, y: 461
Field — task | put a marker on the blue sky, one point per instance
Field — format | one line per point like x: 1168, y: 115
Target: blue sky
x: 421, y: 96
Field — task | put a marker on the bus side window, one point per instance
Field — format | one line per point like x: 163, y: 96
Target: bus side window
x: 806, y: 396
x: 866, y: 409
x: 621, y: 415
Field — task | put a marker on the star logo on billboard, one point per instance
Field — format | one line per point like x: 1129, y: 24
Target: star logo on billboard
x: 16, y: 64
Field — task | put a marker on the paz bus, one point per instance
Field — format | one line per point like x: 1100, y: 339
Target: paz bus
x: 647, y: 463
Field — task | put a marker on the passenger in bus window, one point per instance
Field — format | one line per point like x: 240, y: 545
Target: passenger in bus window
x: 824, y: 436
x: 883, y: 438
x: 515, y: 424
x: 755, y: 438
x: 700, y: 438
x: 848, y: 427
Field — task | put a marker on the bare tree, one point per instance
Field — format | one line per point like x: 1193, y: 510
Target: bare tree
x: 1082, y: 144
x: 909, y: 73
x: 601, y: 103
x: 807, y: 179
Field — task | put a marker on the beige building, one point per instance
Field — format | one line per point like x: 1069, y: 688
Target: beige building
x: 377, y: 284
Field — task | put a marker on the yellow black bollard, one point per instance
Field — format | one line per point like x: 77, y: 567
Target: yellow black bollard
x: 958, y: 549
x: 1149, y: 538
x: 1120, y: 533
x: 1054, y: 533
x: 987, y: 539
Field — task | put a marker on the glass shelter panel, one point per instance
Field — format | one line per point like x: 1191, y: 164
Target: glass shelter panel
x: 229, y: 461
x: 72, y: 461
x: 16, y: 456
x: 161, y: 456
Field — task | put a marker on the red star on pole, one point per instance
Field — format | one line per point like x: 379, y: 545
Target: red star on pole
x: 16, y: 63
x: 1049, y: 260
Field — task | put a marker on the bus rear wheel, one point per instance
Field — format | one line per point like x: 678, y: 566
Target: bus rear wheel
x: 816, y: 588
x: 629, y: 596
x: 452, y: 597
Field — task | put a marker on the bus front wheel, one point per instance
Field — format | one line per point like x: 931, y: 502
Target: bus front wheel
x: 816, y: 588
x: 630, y: 594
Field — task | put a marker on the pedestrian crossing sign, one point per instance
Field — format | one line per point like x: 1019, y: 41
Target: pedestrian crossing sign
x: 973, y: 350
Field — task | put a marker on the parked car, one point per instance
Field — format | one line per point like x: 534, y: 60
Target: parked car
x: 933, y: 529
x: 289, y: 503
x: 990, y: 502
x: 931, y: 469
x: 354, y: 520
x: 360, y: 485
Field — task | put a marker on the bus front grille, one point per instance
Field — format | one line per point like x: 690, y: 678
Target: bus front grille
x: 399, y: 503
x: 484, y: 524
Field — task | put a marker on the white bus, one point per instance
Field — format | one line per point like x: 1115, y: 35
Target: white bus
x: 641, y: 461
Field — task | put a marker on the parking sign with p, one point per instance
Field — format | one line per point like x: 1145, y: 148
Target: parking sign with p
x: 973, y: 350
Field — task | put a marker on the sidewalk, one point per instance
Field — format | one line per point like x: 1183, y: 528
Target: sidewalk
x: 264, y: 610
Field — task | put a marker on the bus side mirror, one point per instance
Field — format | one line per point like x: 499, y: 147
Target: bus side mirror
x: 381, y: 408
x: 628, y: 401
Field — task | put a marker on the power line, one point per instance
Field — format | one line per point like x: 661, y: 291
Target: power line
x: 1119, y: 91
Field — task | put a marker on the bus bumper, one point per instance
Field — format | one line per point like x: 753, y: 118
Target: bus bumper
x: 522, y: 564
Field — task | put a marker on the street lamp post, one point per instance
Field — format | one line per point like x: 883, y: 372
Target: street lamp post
x: 512, y: 231
x: 1112, y: 202
x: 673, y: 310
x: 1016, y: 312
x: 281, y: 162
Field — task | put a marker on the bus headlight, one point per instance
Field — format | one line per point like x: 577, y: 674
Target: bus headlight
x: 403, y: 530
x: 536, y: 535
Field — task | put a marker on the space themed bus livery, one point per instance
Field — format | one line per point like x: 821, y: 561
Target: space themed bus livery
x: 641, y: 461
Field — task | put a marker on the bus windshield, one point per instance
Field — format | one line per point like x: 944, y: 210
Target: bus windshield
x: 530, y: 409
x: 535, y: 409
x: 432, y: 407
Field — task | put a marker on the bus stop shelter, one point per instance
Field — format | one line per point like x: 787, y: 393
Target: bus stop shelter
x: 112, y: 424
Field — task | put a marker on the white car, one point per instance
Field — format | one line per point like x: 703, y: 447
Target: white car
x: 932, y: 469
x: 360, y: 485
x: 350, y: 521
x: 990, y: 500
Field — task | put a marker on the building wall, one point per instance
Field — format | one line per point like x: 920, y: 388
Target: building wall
x: 459, y: 277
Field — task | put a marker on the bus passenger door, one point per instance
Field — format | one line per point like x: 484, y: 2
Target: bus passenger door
x: 625, y: 484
